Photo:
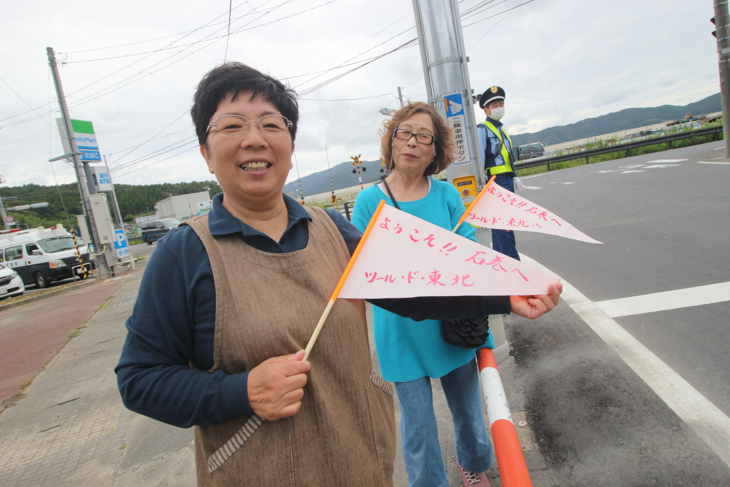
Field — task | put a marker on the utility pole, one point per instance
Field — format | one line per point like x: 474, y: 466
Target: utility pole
x: 2, y: 209
x: 301, y: 191
x: 445, y: 72
x: 81, y: 177
x: 119, y: 213
x: 721, y: 20
x: 400, y: 97
x: 114, y: 195
x: 332, y: 185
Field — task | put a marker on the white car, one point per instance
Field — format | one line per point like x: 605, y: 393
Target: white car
x: 10, y: 283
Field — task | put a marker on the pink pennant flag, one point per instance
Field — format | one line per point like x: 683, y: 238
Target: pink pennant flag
x: 405, y: 256
x: 502, y: 209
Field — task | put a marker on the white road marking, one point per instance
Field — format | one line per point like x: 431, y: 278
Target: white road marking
x: 630, y: 171
x: 661, y: 166
x: 706, y: 419
x: 680, y: 298
x: 606, y: 171
x: 569, y: 182
x: 666, y: 160
x: 530, y: 187
x: 716, y: 162
x: 719, y: 148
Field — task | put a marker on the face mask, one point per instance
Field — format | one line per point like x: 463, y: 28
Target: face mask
x: 497, y: 113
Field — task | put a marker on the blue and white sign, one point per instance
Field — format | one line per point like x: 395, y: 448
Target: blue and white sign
x: 103, y: 181
x: 121, y: 248
x: 455, y: 118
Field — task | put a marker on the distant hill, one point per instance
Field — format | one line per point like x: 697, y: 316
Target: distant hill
x: 342, y: 177
x: 614, y: 122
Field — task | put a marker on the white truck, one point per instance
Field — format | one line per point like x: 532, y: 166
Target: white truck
x: 41, y: 255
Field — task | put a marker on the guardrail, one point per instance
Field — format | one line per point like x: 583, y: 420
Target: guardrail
x: 626, y: 146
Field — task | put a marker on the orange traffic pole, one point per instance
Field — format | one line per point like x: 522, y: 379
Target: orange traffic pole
x: 511, y: 461
x: 466, y: 213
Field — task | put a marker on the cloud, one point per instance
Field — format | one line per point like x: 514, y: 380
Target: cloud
x: 560, y: 61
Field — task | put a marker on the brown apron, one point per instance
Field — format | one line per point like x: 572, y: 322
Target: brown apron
x: 267, y: 305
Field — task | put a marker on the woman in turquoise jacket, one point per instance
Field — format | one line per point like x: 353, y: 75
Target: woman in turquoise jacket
x: 418, y: 143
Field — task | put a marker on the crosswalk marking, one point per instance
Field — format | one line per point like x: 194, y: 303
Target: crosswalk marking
x: 680, y: 298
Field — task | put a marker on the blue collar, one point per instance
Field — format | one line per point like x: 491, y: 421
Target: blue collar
x: 221, y: 222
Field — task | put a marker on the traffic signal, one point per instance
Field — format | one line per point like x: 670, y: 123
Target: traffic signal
x: 714, y: 32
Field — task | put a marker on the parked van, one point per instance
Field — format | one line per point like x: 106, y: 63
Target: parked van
x: 41, y: 256
x: 530, y: 151
x: 154, y: 230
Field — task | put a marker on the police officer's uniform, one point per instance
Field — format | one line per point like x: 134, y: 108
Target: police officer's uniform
x: 496, y: 147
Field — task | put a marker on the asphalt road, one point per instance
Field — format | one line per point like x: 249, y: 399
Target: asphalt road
x: 665, y: 227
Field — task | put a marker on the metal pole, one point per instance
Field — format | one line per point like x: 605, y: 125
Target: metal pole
x: 722, y: 17
x: 104, y: 271
x: 332, y: 185
x: 443, y: 55
x: 400, y: 97
x: 444, y: 59
x: 2, y: 209
x: 2, y: 212
x: 422, y: 50
x: 118, y: 212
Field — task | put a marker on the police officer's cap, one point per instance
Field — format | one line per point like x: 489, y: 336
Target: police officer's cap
x: 490, y: 95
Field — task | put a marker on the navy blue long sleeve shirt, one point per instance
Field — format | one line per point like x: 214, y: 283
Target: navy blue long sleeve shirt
x: 172, y: 326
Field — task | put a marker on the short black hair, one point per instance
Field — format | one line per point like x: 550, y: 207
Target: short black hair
x: 231, y: 79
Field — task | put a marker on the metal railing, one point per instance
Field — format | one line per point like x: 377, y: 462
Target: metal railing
x: 625, y: 146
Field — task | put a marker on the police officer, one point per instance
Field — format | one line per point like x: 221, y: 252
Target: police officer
x: 496, y: 146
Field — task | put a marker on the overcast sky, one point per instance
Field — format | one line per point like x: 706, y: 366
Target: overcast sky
x: 132, y: 67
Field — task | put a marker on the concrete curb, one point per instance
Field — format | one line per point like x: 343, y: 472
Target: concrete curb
x: 25, y: 299
x: 20, y: 300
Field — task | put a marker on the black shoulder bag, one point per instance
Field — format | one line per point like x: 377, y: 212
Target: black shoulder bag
x: 467, y: 333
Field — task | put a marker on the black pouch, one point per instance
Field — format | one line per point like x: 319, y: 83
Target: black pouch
x: 467, y: 333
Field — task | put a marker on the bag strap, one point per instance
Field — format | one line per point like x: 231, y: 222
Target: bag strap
x: 395, y: 203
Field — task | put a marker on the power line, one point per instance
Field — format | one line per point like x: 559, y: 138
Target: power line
x: 228, y: 35
x: 151, y: 138
x: 500, y: 13
x: 351, y: 99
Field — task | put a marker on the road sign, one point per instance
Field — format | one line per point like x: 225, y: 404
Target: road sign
x: 121, y: 249
x: 9, y: 219
x: 456, y: 119
x: 103, y: 180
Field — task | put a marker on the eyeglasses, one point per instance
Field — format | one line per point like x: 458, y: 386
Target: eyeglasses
x: 425, y: 139
x: 237, y: 125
